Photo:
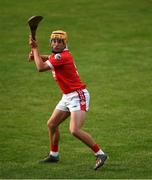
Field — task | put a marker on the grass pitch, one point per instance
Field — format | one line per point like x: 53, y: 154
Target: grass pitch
x: 111, y: 43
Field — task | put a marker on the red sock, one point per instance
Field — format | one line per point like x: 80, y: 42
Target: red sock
x: 54, y: 148
x: 95, y: 148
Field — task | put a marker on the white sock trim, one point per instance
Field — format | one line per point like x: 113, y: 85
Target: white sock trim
x: 55, y: 154
x: 99, y: 152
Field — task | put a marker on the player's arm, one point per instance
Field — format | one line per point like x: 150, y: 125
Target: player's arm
x: 31, y: 57
x: 44, y: 57
x: 40, y: 65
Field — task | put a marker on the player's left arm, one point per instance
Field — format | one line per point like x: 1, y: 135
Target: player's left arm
x: 31, y: 57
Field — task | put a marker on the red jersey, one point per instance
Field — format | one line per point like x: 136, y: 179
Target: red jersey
x: 65, y: 73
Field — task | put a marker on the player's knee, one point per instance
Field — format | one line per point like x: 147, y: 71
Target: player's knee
x: 51, y: 124
x: 74, y: 131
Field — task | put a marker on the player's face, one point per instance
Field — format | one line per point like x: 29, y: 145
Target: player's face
x: 57, y: 45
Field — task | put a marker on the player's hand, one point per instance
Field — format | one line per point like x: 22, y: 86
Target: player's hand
x: 32, y: 42
x: 31, y: 56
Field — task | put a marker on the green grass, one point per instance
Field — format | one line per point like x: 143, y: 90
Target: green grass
x: 111, y: 43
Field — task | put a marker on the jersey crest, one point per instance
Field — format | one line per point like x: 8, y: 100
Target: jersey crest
x: 57, y: 56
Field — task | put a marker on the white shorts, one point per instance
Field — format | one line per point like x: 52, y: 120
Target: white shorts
x: 75, y: 101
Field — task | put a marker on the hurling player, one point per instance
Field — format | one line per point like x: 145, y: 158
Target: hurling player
x: 75, y: 99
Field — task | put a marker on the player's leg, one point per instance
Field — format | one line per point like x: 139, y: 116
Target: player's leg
x: 57, y: 117
x: 76, y: 122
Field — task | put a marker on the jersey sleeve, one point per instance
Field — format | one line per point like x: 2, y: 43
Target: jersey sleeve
x: 49, y: 64
x: 59, y: 59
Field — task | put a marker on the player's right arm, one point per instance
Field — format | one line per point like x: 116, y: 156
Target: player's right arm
x: 40, y: 65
